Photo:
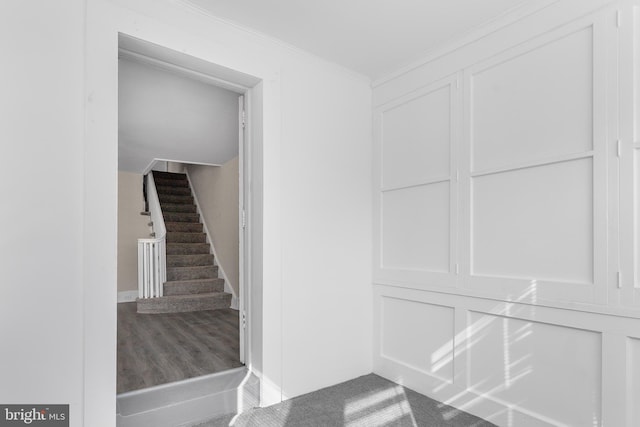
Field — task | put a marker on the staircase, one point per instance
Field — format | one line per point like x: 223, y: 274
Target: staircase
x: 192, y: 278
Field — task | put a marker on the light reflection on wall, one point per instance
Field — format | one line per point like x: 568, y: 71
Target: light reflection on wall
x: 474, y: 333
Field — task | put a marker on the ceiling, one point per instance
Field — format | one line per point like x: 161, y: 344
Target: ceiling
x: 372, y: 37
x: 163, y: 114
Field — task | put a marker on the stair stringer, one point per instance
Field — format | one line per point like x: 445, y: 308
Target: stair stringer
x: 227, y: 288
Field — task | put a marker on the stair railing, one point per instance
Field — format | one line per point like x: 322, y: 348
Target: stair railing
x: 152, y: 253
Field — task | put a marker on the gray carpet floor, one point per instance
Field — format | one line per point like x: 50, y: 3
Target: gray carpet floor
x: 368, y: 401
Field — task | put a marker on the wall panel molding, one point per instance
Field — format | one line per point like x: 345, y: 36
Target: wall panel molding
x: 534, y: 101
x: 556, y: 14
x: 416, y: 195
x: 632, y: 354
x: 543, y: 288
x: 546, y: 370
x: 516, y: 121
x: 409, y: 338
x: 629, y: 162
x: 415, y: 228
x: 510, y: 358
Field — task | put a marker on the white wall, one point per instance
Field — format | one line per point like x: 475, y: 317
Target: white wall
x: 217, y: 190
x: 497, y: 221
x: 164, y: 115
x: 315, y: 242
x: 131, y: 227
x: 326, y: 227
x: 41, y: 308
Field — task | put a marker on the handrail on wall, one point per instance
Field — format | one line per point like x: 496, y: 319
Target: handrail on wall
x: 152, y: 253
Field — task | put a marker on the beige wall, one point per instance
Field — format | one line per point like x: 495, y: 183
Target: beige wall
x: 216, y: 188
x: 131, y: 227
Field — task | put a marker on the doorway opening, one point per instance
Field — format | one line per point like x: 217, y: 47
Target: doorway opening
x: 190, y: 135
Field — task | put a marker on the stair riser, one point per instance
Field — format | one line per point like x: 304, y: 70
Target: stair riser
x: 188, y: 227
x: 171, y: 207
x: 162, y: 182
x: 180, y: 217
x: 173, y: 198
x: 197, y: 303
x: 169, y: 175
x: 189, y: 260
x: 186, y: 238
x: 191, y: 273
x: 207, y: 397
x: 188, y: 249
x: 180, y: 191
x: 187, y: 288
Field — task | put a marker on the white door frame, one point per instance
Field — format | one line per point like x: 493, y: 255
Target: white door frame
x: 244, y: 144
x: 169, y: 25
x: 243, y: 232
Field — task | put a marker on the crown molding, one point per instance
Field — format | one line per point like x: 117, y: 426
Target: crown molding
x: 503, y: 20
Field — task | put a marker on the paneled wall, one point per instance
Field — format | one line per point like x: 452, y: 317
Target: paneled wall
x: 507, y: 220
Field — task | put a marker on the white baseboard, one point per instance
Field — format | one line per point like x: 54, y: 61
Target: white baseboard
x: 270, y: 393
x: 127, y: 296
x: 234, y: 302
x: 476, y: 403
x: 189, y: 402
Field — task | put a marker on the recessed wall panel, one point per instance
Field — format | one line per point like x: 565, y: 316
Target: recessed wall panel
x: 535, y: 223
x: 536, y: 105
x: 634, y: 380
x: 416, y: 139
x: 542, y: 368
x: 418, y: 335
x: 415, y: 228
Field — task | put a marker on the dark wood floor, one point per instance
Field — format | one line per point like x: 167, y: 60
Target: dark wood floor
x: 156, y: 349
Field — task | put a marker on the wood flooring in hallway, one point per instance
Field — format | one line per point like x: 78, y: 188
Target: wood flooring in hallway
x: 155, y: 349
